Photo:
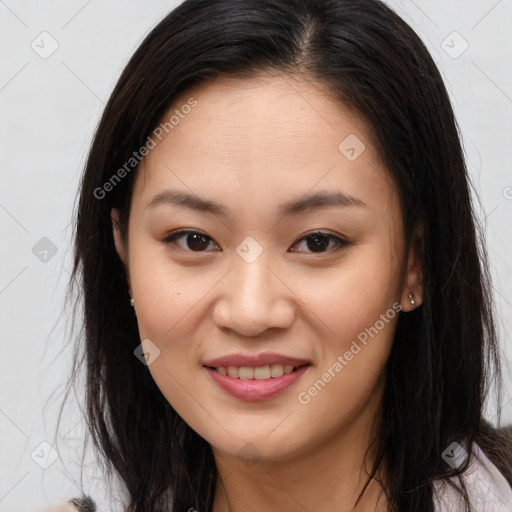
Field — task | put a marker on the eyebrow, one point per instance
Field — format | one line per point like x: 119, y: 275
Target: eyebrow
x: 305, y: 203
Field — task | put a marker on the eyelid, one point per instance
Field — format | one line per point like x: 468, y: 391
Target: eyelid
x: 181, y: 232
x: 340, y: 241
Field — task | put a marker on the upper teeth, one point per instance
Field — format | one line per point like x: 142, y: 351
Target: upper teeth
x: 258, y: 373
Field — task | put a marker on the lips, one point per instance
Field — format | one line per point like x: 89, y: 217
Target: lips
x: 261, y: 367
x: 258, y: 377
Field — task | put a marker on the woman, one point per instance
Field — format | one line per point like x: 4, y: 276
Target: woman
x: 286, y: 302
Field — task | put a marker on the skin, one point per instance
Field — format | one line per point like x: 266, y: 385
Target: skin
x: 253, y: 145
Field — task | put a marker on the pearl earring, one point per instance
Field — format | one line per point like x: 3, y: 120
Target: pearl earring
x: 132, y: 302
x: 413, y: 302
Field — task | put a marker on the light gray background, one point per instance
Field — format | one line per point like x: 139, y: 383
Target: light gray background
x: 49, y: 110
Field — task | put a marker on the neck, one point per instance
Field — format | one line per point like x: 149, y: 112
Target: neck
x: 326, y: 477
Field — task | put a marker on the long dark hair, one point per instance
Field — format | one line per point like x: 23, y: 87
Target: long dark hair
x: 444, y: 352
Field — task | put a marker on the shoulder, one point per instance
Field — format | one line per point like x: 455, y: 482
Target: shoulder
x: 62, y: 507
x: 84, y: 504
x: 486, y: 486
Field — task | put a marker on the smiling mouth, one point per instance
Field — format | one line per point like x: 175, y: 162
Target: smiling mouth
x: 256, y: 373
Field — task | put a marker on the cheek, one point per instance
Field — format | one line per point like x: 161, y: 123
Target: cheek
x: 353, y: 296
x: 170, y: 302
x: 167, y: 303
x: 164, y: 293
x: 349, y: 374
x: 358, y: 307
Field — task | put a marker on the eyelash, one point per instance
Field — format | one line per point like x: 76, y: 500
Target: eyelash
x: 341, y: 243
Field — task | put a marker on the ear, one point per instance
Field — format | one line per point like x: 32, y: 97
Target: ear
x: 413, y: 282
x: 120, y: 243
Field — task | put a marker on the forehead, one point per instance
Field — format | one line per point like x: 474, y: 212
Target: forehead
x: 247, y: 113
x: 268, y: 137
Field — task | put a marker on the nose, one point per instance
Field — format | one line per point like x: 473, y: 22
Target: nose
x: 254, y: 298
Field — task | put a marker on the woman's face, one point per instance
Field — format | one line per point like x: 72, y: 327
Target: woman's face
x: 255, y: 169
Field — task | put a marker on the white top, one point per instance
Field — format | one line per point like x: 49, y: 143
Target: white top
x: 487, y: 488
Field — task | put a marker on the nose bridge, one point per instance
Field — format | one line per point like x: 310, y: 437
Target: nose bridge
x: 253, y: 282
x: 253, y: 298
x: 252, y: 278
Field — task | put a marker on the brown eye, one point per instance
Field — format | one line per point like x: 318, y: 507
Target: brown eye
x: 194, y: 241
x: 319, y: 242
